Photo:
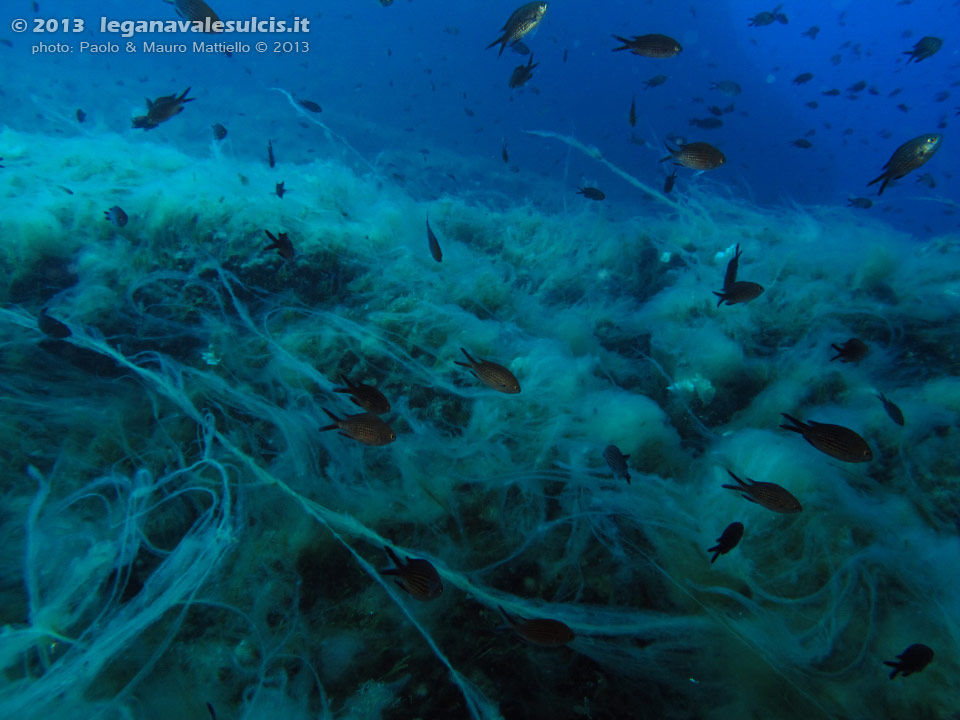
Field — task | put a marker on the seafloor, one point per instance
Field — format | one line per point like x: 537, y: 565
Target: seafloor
x: 177, y: 532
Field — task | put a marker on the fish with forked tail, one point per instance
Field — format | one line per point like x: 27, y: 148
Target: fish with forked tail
x: 522, y: 22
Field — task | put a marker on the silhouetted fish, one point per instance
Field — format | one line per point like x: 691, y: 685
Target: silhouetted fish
x: 116, y: 215
x: 768, y: 495
x: 727, y: 541
x: 310, y: 105
x: 161, y: 110
x: 365, y: 396
x: 591, y: 193
x: 653, y: 46
x: 925, y: 47
x: 219, y: 131
x: 912, y: 660
x: 617, y: 462
x: 834, y: 440
x: 540, y: 631
x: 281, y: 243
x: 491, y: 374
x: 893, y: 412
x: 433, y: 244
x: 417, y: 577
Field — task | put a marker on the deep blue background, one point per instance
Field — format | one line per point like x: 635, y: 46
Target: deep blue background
x: 414, y: 68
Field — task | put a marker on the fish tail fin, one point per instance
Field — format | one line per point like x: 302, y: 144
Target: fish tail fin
x: 716, y: 554
x: 336, y: 422
x: 626, y: 43
x: 740, y: 483
x: 895, y: 666
x: 393, y: 558
x: 885, y: 177
x: 722, y: 296
x: 506, y: 616
x: 797, y: 427
x: 469, y: 364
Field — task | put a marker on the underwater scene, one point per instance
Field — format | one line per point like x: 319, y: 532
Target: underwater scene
x: 424, y: 359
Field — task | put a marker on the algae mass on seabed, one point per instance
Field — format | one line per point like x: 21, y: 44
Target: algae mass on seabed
x: 175, y: 523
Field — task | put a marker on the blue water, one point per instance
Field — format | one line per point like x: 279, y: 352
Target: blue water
x: 182, y: 540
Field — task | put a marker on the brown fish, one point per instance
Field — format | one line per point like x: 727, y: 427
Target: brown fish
x: 925, y: 47
x: 365, y: 428
x: 540, y: 631
x: 617, y: 462
x: 852, y: 351
x: 522, y: 22
x: 432, y: 242
x: 696, y: 156
x: 834, y: 440
x: 417, y: 577
x: 727, y: 541
x: 739, y: 292
x: 161, y: 110
x: 768, y: 495
x: 281, y: 243
x: 908, y: 157
x: 652, y: 46
x: 491, y: 374
x: 365, y: 396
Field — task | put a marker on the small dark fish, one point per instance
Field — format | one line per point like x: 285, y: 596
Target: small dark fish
x: 6, y: 42
x: 365, y: 428
x: 893, y: 412
x: 310, y: 105
x: 617, y: 462
x: 768, y: 495
x: 727, y: 541
x: 468, y: 112
x: 733, y: 267
x: 522, y: 22
x: 764, y: 18
x: 503, y: 152
x: 836, y: 59
x: 908, y: 157
x: 739, y: 292
x: 540, y: 631
x: 280, y: 190
x: 270, y: 157
x: 710, y: 123
x: 281, y: 243
x: 565, y: 55
x: 116, y: 215
x: 714, y: 110
x: 219, y: 131
x: 161, y: 110
x: 857, y: 87
x: 36, y: 6
x: 927, y: 179
x: 633, y: 112
x: 941, y: 96
x: 365, y: 396
x: 655, y: 81
x: 912, y: 660
x: 81, y: 115
x: 522, y: 73
x: 811, y: 33
x: 653, y: 46
x: 831, y: 93
x: 432, y: 242
x: 727, y: 87
x: 669, y: 182
x: 782, y: 18
x: 852, y: 351
x: 833, y: 440
x: 213, y: 714
x: 696, y: 156
x: 925, y: 47
x: 813, y: 104
x: 51, y: 327
x: 67, y: 190
x: 803, y: 78
x: 491, y: 374
x: 591, y: 193
x: 802, y: 143
x: 418, y: 578
x: 860, y: 202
